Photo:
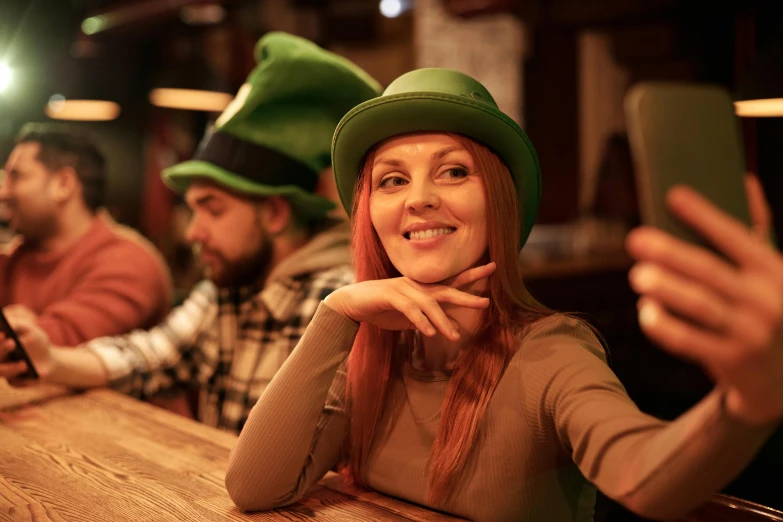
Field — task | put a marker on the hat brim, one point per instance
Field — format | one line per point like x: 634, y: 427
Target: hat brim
x: 305, y: 204
x: 381, y: 118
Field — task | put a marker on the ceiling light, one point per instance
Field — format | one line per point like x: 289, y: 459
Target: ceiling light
x: 190, y: 99
x: 770, y: 107
x: 59, y: 108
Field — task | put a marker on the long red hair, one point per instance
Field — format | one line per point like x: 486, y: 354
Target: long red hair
x: 372, y: 362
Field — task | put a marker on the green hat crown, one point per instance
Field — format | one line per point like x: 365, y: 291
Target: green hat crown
x: 443, y: 81
x: 274, y: 138
x: 437, y: 100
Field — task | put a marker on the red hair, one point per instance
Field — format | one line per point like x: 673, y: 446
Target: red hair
x: 371, y: 364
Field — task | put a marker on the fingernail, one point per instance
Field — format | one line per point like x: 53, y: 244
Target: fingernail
x: 455, y: 333
x: 649, y: 314
x: 430, y: 331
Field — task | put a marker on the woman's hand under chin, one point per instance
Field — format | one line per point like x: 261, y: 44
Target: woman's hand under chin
x: 403, y: 304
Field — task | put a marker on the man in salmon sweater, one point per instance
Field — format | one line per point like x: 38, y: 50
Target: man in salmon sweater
x: 72, y: 269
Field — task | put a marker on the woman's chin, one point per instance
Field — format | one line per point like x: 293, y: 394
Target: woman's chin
x: 428, y: 275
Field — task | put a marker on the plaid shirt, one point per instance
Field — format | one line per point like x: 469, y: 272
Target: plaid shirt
x: 228, y: 342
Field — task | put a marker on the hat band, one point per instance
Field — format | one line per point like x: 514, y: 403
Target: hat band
x: 254, y: 162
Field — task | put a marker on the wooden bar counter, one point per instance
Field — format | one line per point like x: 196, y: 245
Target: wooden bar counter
x: 102, y: 456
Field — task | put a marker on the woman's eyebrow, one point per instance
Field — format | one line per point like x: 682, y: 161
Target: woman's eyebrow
x: 443, y: 152
x: 390, y: 162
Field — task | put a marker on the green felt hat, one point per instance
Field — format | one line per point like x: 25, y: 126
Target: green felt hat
x: 274, y: 138
x: 437, y: 100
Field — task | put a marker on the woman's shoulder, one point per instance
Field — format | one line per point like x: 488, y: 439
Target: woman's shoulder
x: 557, y: 324
x: 558, y: 338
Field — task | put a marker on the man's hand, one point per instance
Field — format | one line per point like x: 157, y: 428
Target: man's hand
x: 20, y: 312
x: 35, y: 343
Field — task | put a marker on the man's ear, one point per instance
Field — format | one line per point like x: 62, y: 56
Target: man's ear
x: 275, y: 214
x: 65, y: 183
x: 327, y: 188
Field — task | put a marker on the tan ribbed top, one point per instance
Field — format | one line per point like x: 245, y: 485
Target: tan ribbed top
x: 558, y: 422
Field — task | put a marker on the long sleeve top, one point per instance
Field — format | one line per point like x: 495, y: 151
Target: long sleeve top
x: 558, y: 425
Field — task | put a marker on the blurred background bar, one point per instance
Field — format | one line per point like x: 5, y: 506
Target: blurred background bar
x: 559, y: 67
x: 149, y: 76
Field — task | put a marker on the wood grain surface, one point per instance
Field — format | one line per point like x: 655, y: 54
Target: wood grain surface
x: 11, y: 396
x: 102, y: 456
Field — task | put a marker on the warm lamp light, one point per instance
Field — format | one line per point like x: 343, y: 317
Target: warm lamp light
x: 759, y: 92
x: 59, y: 108
x: 768, y: 108
x: 190, y: 99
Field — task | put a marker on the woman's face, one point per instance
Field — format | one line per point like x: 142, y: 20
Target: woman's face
x: 427, y: 206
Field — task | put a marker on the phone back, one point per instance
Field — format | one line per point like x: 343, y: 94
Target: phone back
x: 685, y: 134
x: 19, y: 353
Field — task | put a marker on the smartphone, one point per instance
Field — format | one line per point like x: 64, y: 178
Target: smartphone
x: 19, y: 353
x: 685, y: 134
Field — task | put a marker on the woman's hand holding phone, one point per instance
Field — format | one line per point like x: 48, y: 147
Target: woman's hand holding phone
x: 724, y: 313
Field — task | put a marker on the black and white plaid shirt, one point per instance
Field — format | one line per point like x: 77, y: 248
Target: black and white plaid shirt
x: 230, y: 343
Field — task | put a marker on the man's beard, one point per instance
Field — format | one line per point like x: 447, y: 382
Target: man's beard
x: 34, y: 231
x: 244, y: 271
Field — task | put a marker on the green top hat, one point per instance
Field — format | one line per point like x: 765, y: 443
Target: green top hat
x: 274, y: 138
x: 438, y: 100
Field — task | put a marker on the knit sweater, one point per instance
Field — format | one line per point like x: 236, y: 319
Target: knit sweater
x: 109, y: 282
x: 558, y: 425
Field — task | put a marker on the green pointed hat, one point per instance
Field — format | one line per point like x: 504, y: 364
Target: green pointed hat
x: 275, y: 137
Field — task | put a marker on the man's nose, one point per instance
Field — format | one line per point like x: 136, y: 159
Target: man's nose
x: 194, y: 232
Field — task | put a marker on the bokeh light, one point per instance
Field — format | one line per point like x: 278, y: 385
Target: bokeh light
x: 391, y: 8
x: 94, y: 24
x: 6, y: 76
x: 59, y: 108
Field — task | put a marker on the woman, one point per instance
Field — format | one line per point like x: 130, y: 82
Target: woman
x: 437, y: 378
